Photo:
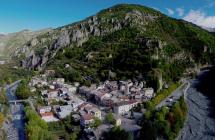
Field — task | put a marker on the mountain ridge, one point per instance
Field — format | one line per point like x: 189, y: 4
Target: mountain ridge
x: 10, y: 42
x: 121, y: 41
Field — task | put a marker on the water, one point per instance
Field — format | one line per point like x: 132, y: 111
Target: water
x: 17, y: 128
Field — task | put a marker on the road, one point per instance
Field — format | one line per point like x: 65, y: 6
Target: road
x: 175, y: 96
x: 15, y: 129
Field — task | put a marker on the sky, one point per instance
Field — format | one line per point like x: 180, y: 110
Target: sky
x: 17, y: 15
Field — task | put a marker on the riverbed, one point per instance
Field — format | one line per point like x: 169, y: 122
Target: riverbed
x: 16, y: 129
x: 199, y: 125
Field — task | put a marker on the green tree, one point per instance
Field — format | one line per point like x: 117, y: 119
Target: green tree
x: 23, y: 91
x: 1, y: 119
x: 97, y: 122
x: 116, y: 133
x: 74, y: 136
x: 109, y: 118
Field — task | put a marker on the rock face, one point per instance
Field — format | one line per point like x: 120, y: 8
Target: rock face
x: 10, y: 42
x: 153, y: 29
x: 76, y: 34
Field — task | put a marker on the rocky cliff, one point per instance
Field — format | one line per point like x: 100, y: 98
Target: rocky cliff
x: 10, y: 42
x: 43, y: 47
x: 125, y: 40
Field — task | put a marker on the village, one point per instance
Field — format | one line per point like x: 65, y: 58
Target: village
x: 89, y: 103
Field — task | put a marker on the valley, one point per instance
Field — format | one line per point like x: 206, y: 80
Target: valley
x: 129, y: 72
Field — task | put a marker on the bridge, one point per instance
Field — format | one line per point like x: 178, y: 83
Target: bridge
x: 18, y: 101
x: 21, y: 101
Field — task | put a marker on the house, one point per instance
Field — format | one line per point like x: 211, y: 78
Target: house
x: 100, y: 96
x: 107, y: 102
x: 64, y: 111
x: 60, y: 80
x: 33, y: 89
x: 49, y: 72
x: 48, y: 117
x: 46, y: 114
x: 75, y: 103
x: 87, y: 108
x: 70, y: 88
x: 51, y: 87
x: 148, y: 92
x: 52, y: 93
x: 44, y: 109
x: 95, y: 112
x: 87, y: 120
x: 123, y: 107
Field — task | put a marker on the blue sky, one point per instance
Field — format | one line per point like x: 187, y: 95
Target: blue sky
x: 16, y: 15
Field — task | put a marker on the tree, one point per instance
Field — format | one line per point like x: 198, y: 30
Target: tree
x: 97, y: 122
x: 36, y: 128
x: 116, y: 133
x: 1, y: 119
x: 109, y: 118
x: 74, y: 136
x: 23, y: 92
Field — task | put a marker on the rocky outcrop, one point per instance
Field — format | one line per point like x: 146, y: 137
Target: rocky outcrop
x: 77, y: 34
x: 10, y: 42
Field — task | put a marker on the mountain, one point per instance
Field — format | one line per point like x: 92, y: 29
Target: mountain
x: 209, y: 29
x: 121, y: 42
x: 2, y: 35
x: 10, y: 42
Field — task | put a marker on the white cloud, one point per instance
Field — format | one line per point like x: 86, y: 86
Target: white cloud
x: 170, y: 11
x: 156, y: 8
x: 180, y: 11
x: 200, y: 18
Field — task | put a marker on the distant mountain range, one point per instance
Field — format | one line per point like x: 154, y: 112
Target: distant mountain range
x: 209, y: 29
x: 10, y: 42
x: 2, y: 35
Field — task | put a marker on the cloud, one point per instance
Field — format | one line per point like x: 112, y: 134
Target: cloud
x: 170, y: 11
x: 200, y: 18
x: 180, y: 11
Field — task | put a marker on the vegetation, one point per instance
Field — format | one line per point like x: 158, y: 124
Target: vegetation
x: 164, y: 123
x: 66, y: 129
x: 109, y: 118
x: 150, y: 105
x: 116, y: 133
x: 1, y: 119
x: 23, y: 91
x: 167, y: 48
x: 36, y: 128
x: 97, y: 123
x: 10, y: 74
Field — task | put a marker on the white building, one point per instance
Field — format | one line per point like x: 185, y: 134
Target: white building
x: 149, y: 92
x: 44, y: 109
x: 123, y: 107
x: 52, y: 94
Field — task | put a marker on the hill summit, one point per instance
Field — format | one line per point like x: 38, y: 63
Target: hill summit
x: 124, y: 41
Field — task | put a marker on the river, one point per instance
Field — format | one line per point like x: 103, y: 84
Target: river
x: 16, y: 129
x: 199, y: 125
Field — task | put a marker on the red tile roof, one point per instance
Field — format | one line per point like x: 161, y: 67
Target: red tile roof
x: 87, y: 117
x: 46, y: 114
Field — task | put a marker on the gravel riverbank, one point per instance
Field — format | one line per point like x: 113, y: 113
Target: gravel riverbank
x: 199, y: 124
